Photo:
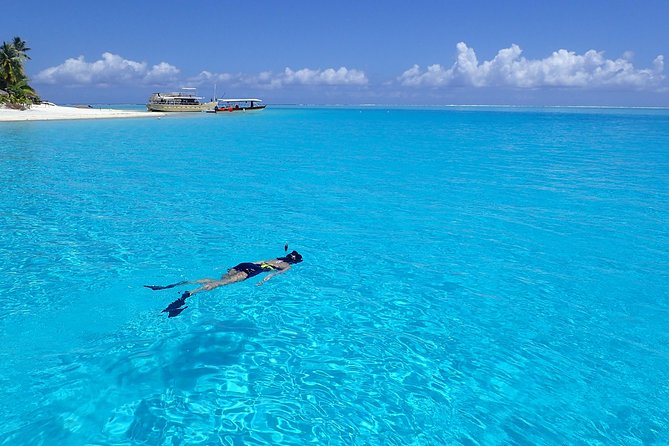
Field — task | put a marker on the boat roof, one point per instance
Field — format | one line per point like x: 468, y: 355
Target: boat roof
x: 240, y: 100
x: 176, y: 95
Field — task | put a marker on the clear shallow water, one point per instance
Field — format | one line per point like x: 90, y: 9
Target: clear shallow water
x: 471, y: 276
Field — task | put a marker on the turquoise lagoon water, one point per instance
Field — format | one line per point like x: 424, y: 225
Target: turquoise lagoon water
x: 472, y: 276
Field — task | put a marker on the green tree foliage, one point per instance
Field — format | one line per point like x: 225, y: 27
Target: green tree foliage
x: 13, y: 79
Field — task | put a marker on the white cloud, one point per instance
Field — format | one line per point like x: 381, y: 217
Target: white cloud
x: 305, y: 76
x: 330, y: 76
x: 161, y: 74
x: 111, y: 69
x: 207, y: 77
x: 561, y: 69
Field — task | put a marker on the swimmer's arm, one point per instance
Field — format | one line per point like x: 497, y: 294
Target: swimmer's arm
x: 275, y: 273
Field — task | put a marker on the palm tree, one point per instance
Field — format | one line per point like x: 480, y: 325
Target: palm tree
x: 10, y: 65
x: 12, y: 75
x: 20, y: 93
x: 21, y: 48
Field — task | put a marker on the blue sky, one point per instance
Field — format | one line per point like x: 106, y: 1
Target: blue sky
x: 587, y: 52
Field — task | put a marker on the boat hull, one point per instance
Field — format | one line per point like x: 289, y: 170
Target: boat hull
x: 238, y: 109
x: 181, y: 108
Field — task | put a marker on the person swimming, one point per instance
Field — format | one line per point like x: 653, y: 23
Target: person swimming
x: 235, y: 274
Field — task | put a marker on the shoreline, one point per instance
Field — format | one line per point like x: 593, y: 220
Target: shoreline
x: 51, y: 112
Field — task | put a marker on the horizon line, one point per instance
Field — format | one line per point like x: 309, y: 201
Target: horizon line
x: 296, y: 104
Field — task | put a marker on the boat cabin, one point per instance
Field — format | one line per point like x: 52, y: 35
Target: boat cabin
x: 244, y: 104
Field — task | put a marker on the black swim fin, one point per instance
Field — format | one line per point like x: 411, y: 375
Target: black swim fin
x: 174, y: 308
x: 164, y: 287
x: 175, y: 312
x: 174, y: 305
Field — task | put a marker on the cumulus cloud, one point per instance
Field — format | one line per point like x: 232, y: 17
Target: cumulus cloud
x: 561, y: 69
x: 342, y: 76
x: 330, y: 76
x: 111, y: 69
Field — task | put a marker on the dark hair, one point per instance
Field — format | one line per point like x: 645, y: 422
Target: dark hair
x: 292, y: 258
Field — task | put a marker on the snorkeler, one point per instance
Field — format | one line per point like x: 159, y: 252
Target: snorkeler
x: 235, y: 274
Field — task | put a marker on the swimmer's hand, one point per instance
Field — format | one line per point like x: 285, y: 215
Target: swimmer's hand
x: 264, y: 280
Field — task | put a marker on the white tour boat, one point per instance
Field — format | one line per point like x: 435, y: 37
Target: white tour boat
x: 183, y: 101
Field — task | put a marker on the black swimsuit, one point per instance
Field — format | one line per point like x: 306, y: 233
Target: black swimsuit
x: 253, y: 269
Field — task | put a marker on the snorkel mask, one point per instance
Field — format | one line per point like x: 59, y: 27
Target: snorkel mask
x: 292, y: 258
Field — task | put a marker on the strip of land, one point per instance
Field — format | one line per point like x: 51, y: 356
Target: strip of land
x: 49, y: 112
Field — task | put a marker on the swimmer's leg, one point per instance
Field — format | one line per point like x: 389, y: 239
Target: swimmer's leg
x: 233, y: 276
x: 172, y: 285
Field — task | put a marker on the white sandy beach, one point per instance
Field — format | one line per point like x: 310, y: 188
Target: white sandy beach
x: 48, y: 112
